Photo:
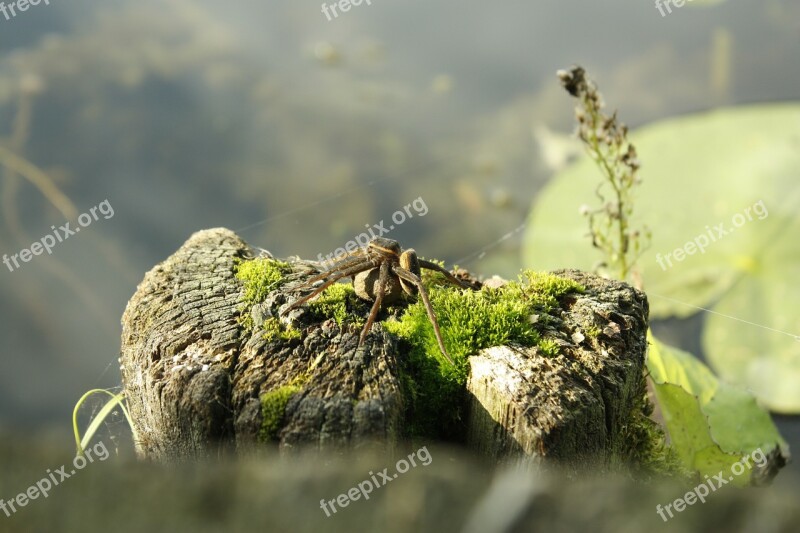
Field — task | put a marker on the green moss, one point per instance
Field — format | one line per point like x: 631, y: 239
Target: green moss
x: 274, y: 330
x: 546, y: 289
x: 548, y: 347
x: 273, y: 409
x: 644, y: 445
x: 593, y: 331
x: 339, y: 302
x: 260, y: 277
x: 469, y: 321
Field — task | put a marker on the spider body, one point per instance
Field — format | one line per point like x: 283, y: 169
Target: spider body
x: 381, y: 272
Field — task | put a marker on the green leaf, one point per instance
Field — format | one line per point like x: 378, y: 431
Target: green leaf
x: 116, y: 400
x: 764, y: 357
x: 698, y: 171
x: 712, y: 425
x: 725, y: 180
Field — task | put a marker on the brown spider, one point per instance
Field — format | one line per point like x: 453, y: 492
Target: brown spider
x: 394, y: 269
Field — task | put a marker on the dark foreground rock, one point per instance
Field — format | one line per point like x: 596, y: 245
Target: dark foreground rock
x: 454, y: 493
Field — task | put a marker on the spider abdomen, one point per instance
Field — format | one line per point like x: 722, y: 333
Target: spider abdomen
x: 365, y: 285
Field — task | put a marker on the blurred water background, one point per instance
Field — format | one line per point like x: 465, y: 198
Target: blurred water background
x: 297, y: 131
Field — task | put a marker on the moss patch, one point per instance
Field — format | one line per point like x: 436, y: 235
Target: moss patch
x: 644, y: 445
x: 469, y: 321
x: 260, y: 277
x: 339, y: 302
x: 593, y: 331
x: 548, y: 347
x: 274, y: 330
x: 273, y: 411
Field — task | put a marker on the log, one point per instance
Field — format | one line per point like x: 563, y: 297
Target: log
x: 180, y: 343
x: 540, y: 406
x: 195, y: 384
x: 204, y: 371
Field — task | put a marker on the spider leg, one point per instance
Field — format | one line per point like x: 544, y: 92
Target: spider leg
x: 413, y: 278
x: 382, y: 280
x: 334, y: 278
x: 347, y: 259
x: 346, y: 263
x: 450, y: 277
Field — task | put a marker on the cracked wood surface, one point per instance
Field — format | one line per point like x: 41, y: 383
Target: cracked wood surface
x: 194, y: 378
x: 573, y: 406
x: 193, y: 382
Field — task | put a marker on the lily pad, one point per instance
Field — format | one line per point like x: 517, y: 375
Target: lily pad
x: 712, y: 425
x: 720, y: 195
x: 701, y: 175
x: 760, y: 349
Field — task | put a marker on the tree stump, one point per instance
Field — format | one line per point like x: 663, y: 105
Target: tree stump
x: 523, y: 402
x: 203, y: 372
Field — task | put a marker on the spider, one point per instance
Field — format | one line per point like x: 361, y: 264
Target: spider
x: 395, y: 271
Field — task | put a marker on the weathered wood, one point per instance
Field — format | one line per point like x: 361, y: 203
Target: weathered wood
x: 196, y: 380
x: 349, y: 397
x: 573, y: 406
x: 180, y: 343
x: 194, y: 383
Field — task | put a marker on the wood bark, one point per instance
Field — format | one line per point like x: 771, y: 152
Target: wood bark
x: 573, y: 407
x: 194, y: 383
x: 194, y: 377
